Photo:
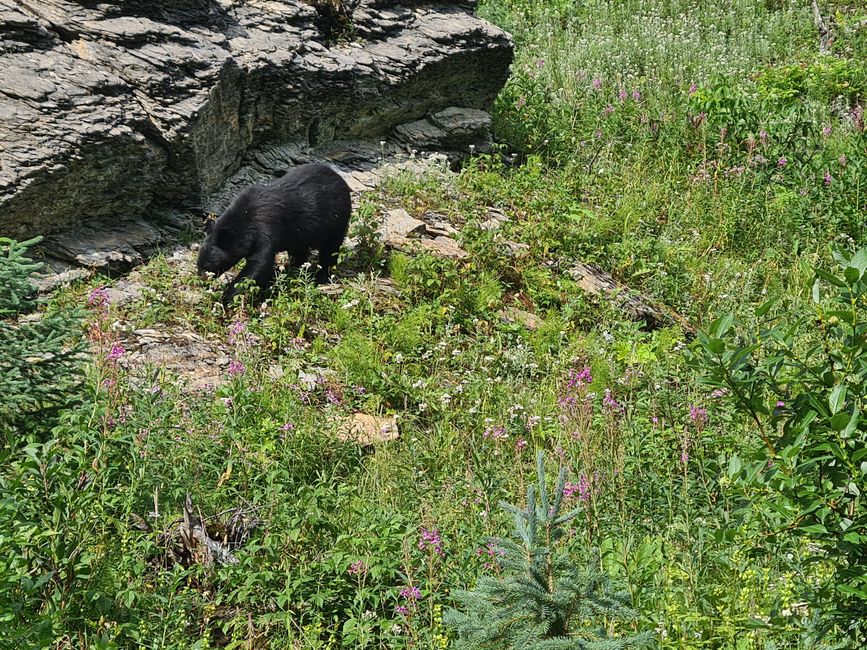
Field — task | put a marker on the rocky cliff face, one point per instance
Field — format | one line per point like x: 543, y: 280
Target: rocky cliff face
x: 117, y: 116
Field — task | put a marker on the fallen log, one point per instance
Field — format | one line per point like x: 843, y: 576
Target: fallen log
x: 596, y: 282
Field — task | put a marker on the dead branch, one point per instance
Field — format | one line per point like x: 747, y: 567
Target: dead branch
x: 597, y: 282
x: 825, y: 36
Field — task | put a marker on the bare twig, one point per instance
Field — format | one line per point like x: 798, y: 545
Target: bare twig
x: 824, y: 32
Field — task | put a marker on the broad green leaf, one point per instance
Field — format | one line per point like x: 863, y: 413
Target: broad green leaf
x: 814, y: 529
x: 845, y: 316
x: 859, y: 260
x: 852, y: 274
x: 853, y: 424
x: 722, y: 325
x: 765, y: 307
x: 837, y: 282
x: 840, y: 421
x: 837, y: 398
x: 852, y: 591
x: 717, y: 346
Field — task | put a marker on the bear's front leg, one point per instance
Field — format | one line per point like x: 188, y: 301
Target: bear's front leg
x: 260, y: 269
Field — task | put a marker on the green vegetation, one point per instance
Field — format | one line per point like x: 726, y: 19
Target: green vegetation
x: 707, y: 156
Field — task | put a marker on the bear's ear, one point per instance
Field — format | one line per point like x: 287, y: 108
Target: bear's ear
x: 210, y: 222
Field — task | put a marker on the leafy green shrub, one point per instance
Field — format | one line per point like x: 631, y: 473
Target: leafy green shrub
x: 39, y: 359
x: 541, y: 599
x: 801, y: 378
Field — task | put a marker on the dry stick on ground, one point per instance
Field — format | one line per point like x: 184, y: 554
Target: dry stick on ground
x: 825, y: 36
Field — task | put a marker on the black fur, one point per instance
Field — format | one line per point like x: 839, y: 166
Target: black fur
x: 308, y: 207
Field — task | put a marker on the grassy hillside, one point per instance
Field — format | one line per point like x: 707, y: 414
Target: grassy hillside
x: 707, y: 155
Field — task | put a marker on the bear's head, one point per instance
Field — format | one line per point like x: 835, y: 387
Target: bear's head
x: 217, y: 253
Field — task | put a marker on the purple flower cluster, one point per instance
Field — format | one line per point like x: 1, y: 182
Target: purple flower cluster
x: 357, y: 568
x: 490, y: 553
x: 610, y: 403
x: 430, y: 540
x: 697, y: 415
x: 495, y: 433
x: 115, y: 353
x: 236, y: 330
x: 581, y: 488
x: 98, y: 297
x: 411, y: 594
x: 236, y: 368
x: 578, y: 378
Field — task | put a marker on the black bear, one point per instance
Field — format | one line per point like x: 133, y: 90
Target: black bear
x: 308, y: 207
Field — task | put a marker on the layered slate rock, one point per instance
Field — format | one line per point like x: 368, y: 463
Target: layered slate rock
x: 117, y: 116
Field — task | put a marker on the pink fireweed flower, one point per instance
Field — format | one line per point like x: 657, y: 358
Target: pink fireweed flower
x: 521, y: 445
x: 98, y: 297
x: 719, y: 392
x: 763, y: 136
x: 569, y: 489
x: 540, y: 63
x: 430, y: 540
x: 236, y: 368
x: 610, y: 403
x: 842, y: 160
x: 400, y: 609
x: 826, y: 131
x: 654, y: 420
x: 780, y: 404
x: 827, y: 178
x: 597, y: 83
x: 579, y: 378
x: 693, y: 89
x: 622, y: 95
x: 411, y: 594
x: 583, y: 488
x: 115, y: 353
x: 287, y: 427
x: 782, y: 162
x: 636, y: 95
x: 608, y: 110
x: 697, y: 414
x: 495, y: 433
x: 684, y: 457
x: 357, y: 568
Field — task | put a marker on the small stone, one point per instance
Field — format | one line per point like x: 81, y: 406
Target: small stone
x: 367, y: 430
x: 399, y: 224
x: 445, y: 247
x: 517, y: 249
x: 525, y: 318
